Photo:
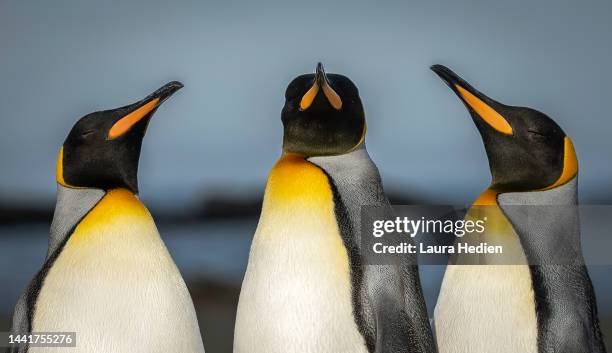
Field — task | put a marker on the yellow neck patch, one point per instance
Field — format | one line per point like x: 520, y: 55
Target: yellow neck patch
x: 294, y: 179
x: 116, y: 211
x: 487, y: 198
x: 488, y: 114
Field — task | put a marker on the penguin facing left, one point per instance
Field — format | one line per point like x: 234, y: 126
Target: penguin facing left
x: 307, y: 288
x: 107, y: 275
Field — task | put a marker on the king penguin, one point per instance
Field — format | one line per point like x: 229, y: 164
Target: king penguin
x: 107, y: 275
x: 306, y: 287
x: 540, y: 298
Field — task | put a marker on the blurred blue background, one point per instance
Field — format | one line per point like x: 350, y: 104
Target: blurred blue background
x: 218, y: 137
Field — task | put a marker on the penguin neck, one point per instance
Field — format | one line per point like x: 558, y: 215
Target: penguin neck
x: 71, y: 207
x: 563, y: 194
x: 355, y: 168
x: 358, y: 153
x: 547, y: 222
x: 360, y: 148
x: 486, y: 198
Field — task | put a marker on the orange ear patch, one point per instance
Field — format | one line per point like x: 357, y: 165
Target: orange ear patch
x: 59, y: 169
x: 124, y: 124
x: 488, y: 114
x: 570, y: 164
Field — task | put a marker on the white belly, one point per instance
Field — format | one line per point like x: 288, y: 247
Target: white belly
x: 117, y: 287
x: 488, y: 308
x: 484, y: 309
x: 296, y: 297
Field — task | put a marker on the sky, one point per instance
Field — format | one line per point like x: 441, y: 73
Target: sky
x: 222, y: 133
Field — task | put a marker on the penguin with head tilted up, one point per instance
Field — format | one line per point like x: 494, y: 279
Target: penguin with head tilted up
x: 539, y: 298
x: 306, y: 288
x: 107, y: 275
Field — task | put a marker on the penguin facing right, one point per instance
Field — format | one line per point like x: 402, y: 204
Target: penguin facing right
x: 307, y: 288
x: 107, y: 276
x: 542, y: 302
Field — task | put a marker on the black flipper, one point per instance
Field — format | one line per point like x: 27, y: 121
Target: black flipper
x: 388, y: 302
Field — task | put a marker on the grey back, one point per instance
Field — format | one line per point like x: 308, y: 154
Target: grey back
x: 548, y: 226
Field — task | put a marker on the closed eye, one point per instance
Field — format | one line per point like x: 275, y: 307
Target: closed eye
x: 87, y: 133
x: 538, y: 133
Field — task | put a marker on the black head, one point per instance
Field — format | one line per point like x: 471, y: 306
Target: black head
x: 527, y: 150
x: 322, y: 115
x: 103, y: 148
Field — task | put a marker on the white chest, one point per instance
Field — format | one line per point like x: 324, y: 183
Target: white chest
x: 483, y: 309
x: 296, y: 295
x: 116, y: 286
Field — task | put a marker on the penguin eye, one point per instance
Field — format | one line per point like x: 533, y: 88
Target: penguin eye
x: 539, y: 134
x: 87, y: 133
